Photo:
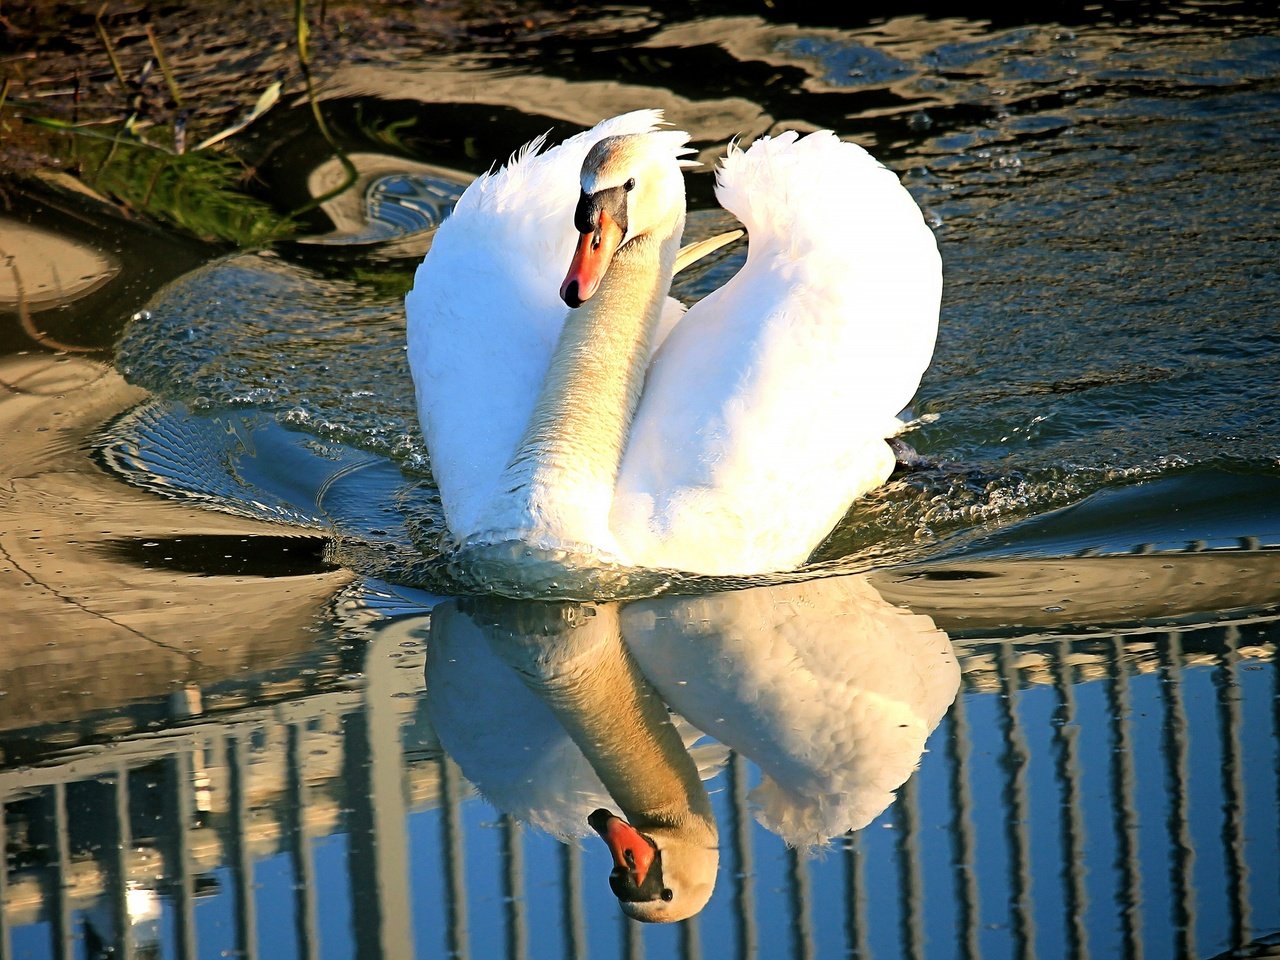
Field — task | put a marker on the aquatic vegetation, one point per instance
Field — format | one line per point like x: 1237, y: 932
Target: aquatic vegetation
x: 201, y: 192
x: 133, y: 149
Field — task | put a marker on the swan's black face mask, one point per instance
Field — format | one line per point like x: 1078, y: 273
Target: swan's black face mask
x: 622, y: 881
x: 601, y: 220
x: 613, y: 201
x: 637, y: 861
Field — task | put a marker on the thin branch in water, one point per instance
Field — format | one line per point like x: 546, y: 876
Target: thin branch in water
x: 24, y: 312
x: 164, y: 67
x: 110, y: 48
x: 303, y: 32
x: 80, y: 130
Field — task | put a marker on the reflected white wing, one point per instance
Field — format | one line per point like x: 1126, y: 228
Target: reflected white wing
x: 828, y: 688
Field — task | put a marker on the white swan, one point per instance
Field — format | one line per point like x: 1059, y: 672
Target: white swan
x: 729, y: 440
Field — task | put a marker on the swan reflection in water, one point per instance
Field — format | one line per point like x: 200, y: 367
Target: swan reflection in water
x: 562, y: 713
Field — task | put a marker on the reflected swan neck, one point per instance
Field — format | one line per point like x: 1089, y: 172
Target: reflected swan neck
x: 618, y: 719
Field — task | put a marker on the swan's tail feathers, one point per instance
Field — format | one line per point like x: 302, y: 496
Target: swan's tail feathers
x: 693, y: 252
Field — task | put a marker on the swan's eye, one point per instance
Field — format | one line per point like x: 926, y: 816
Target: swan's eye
x: 629, y: 185
x: 667, y: 894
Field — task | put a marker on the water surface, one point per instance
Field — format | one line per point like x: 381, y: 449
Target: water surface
x: 244, y: 710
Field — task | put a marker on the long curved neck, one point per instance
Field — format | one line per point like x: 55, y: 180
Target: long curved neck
x: 614, y: 715
x: 560, y: 480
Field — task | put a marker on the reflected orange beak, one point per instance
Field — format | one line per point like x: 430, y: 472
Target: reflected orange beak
x: 590, y: 261
x: 633, y: 855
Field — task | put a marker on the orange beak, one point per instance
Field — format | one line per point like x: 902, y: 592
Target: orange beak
x: 633, y: 855
x: 590, y: 261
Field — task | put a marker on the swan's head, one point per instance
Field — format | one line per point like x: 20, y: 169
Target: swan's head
x: 664, y: 874
x: 632, y: 187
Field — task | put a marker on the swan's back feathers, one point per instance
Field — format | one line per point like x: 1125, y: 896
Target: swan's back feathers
x: 764, y: 413
x: 484, y: 312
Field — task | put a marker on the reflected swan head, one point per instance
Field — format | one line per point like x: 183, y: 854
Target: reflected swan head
x: 663, y: 874
x: 664, y: 843
x: 631, y: 187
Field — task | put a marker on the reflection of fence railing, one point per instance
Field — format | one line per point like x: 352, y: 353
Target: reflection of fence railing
x: 1106, y: 795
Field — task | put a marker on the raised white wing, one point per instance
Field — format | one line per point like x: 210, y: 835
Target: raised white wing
x: 485, y: 312
x: 765, y: 411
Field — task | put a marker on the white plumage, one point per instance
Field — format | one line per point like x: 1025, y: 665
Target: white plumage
x: 828, y: 688
x: 831, y: 691
x: 761, y: 413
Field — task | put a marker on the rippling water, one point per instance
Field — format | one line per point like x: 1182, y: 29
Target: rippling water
x: 293, y: 740
x: 1104, y: 200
